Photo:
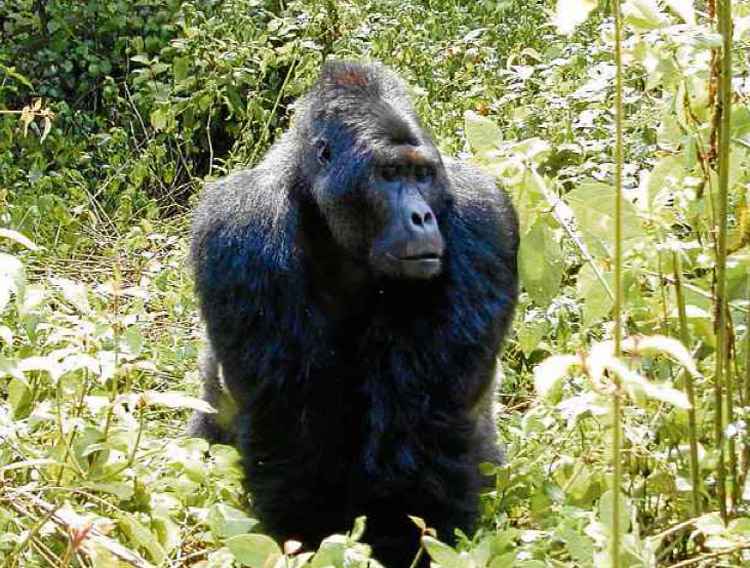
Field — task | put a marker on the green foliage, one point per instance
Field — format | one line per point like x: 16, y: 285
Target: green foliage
x: 112, y: 114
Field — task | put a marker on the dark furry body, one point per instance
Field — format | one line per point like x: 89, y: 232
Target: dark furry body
x: 357, y: 394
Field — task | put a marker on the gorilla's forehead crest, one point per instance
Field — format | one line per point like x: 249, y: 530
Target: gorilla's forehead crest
x: 365, y: 97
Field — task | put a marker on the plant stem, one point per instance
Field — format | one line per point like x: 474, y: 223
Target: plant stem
x: 689, y: 390
x: 618, y: 304
x: 725, y: 108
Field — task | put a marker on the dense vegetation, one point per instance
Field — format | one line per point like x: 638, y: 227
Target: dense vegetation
x: 114, y: 112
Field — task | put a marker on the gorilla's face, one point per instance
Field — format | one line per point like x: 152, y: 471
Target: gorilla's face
x: 383, y: 202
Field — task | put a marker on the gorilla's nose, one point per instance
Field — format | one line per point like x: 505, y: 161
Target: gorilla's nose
x: 421, y: 220
x: 420, y: 217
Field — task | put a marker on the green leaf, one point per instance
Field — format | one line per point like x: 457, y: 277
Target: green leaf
x: 225, y: 521
x: 180, y: 68
x: 172, y: 399
x: 550, y: 372
x: 141, y: 537
x: 75, y: 293
x: 330, y: 553
x: 684, y: 9
x: 12, y: 278
x: 643, y: 14
x: 597, y: 300
x: 605, y: 511
x: 580, y: 546
x: 593, y: 204
x: 570, y: 13
x: 253, y: 550
x: 444, y: 554
x: 159, y: 118
x: 482, y: 133
x: 530, y: 333
x: 19, y: 238
x: 540, y: 263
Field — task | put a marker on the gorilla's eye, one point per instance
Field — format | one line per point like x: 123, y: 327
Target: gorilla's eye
x: 422, y: 173
x: 389, y: 173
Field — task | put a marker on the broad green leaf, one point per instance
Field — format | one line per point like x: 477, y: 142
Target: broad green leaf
x: 540, y: 263
x: 530, y: 333
x: 593, y: 204
x: 644, y: 14
x: 597, y: 300
x: 330, y: 553
x: 579, y: 545
x: 158, y: 118
x: 482, y: 133
x: 443, y: 554
x: 666, y: 178
x: 19, y: 398
x: 253, y: 550
x: 180, y: 68
x: 225, y: 521
x: 605, y: 511
x: 141, y: 537
x: 570, y: 13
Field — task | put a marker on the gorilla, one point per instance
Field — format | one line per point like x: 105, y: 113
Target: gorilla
x: 355, y: 288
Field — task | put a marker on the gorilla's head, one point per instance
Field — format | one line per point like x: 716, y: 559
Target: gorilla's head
x: 373, y: 172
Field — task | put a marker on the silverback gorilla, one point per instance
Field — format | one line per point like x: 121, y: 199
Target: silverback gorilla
x: 356, y: 287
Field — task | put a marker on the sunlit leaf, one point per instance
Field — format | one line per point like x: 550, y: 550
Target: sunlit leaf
x: 549, y: 373
x: 570, y: 13
x: 253, y: 550
x: 482, y: 133
x: 19, y: 238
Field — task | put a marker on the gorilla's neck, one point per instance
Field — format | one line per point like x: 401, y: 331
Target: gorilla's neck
x: 340, y: 284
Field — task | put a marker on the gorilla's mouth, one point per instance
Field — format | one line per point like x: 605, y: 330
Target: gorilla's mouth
x: 418, y: 266
x: 424, y: 256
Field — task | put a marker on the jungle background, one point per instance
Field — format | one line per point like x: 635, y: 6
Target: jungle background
x: 113, y: 114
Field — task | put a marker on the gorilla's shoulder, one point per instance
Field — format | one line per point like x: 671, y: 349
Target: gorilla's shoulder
x: 246, y: 218
x: 481, y: 207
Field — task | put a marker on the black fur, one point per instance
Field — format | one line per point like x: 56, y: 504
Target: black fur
x: 358, y: 393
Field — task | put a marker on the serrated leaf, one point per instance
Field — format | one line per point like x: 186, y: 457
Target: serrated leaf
x: 253, y: 550
x: 571, y: 13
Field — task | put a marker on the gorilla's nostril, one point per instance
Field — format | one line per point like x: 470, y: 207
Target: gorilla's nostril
x: 428, y: 218
x: 416, y: 219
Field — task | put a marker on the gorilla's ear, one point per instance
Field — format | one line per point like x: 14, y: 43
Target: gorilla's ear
x: 323, y: 151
